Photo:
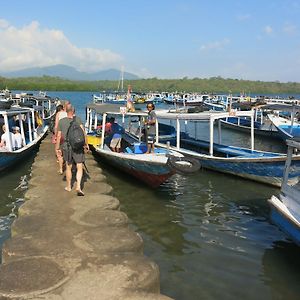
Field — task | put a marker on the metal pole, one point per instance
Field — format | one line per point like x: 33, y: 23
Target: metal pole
x: 95, y: 121
x: 88, y: 111
x: 156, y: 131
x: 33, y: 124
x: 140, y: 129
x: 178, y: 133
x: 8, y: 140
x: 211, y: 136
x: 219, y: 131
x: 103, y: 131
x: 29, y: 127
x: 292, y: 119
x: 21, y: 128
x: 252, y: 132
x: 91, y: 122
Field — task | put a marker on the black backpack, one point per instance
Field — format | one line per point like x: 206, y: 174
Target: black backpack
x: 75, y: 136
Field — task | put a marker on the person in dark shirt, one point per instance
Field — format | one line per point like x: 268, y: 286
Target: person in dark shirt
x: 150, y: 127
x: 68, y: 154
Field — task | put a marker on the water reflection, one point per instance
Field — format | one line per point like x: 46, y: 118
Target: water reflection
x: 14, y: 183
x: 208, y: 232
x: 281, y: 265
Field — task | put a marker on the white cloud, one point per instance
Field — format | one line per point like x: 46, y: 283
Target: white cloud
x: 268, y: 29
x: 33, y: 46
x: 215, y: 45
x: 3, y: 23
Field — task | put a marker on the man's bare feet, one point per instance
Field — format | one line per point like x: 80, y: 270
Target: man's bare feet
x: 68, y: 189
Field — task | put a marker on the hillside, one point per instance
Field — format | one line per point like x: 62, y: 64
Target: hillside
x: 70, y: 73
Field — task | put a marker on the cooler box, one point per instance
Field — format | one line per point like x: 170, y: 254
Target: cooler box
x: 93, y: 140
x: 140, y: 148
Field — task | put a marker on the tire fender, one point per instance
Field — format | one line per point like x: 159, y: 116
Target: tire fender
x: 185, y: 165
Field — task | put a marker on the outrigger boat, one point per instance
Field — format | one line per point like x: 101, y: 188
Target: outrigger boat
x: 261, y: 166
x: 30, y: 132
x: 153, y: 168
x: 262, y: 125
x: 285, y: 209
x: 288, y: 126
x: 265, y: 129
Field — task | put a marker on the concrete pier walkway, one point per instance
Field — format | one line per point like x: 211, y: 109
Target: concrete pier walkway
x: 69, y: 247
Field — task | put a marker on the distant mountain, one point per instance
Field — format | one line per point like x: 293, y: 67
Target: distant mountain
x: 68, y: 72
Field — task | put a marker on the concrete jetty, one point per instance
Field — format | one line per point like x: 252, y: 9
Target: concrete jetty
x: 69, y: 247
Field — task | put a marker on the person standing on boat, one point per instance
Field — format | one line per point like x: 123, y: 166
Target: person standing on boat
x: 69, y: 155
x: 150, y: 127
x: 116, y: 132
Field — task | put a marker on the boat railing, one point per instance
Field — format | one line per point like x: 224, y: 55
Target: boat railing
x: 207, y: 116
x: 293, y: 146
x: 23, y: 117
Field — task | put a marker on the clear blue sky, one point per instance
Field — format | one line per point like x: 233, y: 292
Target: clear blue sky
x: 248, y: 39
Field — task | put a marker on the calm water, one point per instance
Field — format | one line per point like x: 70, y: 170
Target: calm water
x: 209, y: 233
x: 13, y: 186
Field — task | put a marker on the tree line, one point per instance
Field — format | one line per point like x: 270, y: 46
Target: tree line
x: 199, y: 85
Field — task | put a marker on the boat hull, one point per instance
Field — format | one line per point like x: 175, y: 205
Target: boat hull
x: 264, y: 167
x: 285, y: 128
x: 8, y: 159
x: 282, y: 217
x: 152, y: 173
x: 268, y: 171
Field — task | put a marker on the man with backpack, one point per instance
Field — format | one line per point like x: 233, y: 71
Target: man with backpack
x: 72, y: 148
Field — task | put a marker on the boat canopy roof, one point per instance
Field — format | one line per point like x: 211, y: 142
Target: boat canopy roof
x: 15, y: 110
x: 112, y: 109
x: 101, y: 108
x: 206, y: 115
x: 281, y: 107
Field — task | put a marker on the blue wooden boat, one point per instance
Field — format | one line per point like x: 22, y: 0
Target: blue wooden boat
x: 30, y: 132
x: 214, y: 106
x: 285, y: 209
x: 153, y: 168
x: 287, y: 128
x: 261, y: 166
x: 265, y: 129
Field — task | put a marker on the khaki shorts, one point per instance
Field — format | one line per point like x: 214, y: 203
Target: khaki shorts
x: 115, y: 143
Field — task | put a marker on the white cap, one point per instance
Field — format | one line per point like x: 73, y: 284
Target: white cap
x: 16, y: 128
